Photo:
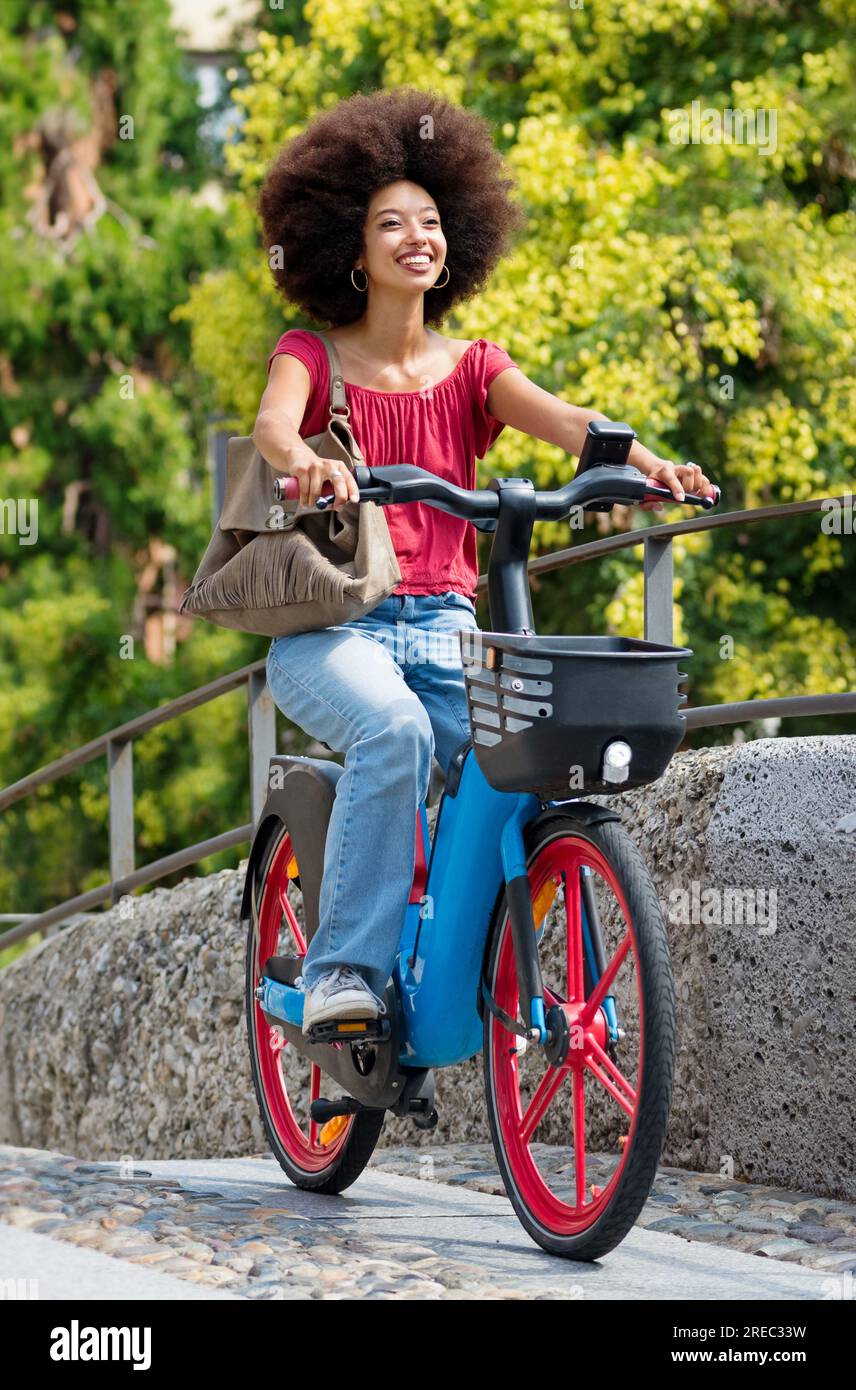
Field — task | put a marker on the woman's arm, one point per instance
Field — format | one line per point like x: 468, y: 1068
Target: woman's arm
x: 520, y: 403
x: 276, y: 435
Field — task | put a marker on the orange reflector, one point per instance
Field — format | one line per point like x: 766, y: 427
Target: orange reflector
x: 356, y: 1027
x: 490, y: 658
x: 543, y: 901
x: 595, y: 1190
x: 292, y: 869
x: 332, y: 1129
x: 622, y: 1140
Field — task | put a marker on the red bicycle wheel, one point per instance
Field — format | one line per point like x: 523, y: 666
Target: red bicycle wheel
x: 578, y: 1127
x: 322, y: 1157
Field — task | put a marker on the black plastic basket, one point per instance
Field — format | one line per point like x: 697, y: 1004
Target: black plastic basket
x: 545, y: 710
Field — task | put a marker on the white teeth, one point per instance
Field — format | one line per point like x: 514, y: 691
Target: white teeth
x: 415, y: 260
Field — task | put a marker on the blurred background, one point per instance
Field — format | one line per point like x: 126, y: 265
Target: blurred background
x: 704, y: 290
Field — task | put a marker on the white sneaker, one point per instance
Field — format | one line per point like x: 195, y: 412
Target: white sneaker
x: 340, y: 993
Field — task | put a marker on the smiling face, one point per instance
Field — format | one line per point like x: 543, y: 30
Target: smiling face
x: 403, y: 245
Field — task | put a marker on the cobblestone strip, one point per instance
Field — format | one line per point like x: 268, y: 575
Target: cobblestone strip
x: 253, y: 1250
x: 769, y: 1221
x: 270, y: 1252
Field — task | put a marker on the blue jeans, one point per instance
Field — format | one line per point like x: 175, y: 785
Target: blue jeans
x: 386, y: 689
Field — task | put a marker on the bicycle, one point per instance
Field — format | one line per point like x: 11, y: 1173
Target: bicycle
x: 532, y: 934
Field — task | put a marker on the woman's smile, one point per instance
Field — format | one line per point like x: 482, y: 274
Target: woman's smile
x: 416, y: 262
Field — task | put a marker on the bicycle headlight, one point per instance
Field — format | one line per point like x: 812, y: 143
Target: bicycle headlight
x: 616, y: 761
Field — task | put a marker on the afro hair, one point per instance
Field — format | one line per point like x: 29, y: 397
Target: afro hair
x: 315, y: 198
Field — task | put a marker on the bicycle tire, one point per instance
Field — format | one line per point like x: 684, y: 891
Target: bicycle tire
x: 349, y: 1157
x: 638, y: 1166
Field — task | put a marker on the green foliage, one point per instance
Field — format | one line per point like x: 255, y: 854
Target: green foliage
x: 104, y: 426
x: 705, y: 292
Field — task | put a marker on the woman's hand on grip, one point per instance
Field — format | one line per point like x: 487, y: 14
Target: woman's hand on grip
x: 679, y: 478
x: 312, y: 472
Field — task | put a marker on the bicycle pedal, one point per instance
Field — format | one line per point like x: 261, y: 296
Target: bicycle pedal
x: 348, y: 1030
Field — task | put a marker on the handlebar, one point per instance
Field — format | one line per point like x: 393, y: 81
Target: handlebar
x: 405, y: 482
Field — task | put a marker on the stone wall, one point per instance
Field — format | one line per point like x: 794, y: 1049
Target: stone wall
x: 125, y: 1035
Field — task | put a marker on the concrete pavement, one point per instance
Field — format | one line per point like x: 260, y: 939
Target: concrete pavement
x: 480, y: 1229
x: 202, y: 1229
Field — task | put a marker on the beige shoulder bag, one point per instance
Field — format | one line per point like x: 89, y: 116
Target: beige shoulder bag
x: 274, y: 569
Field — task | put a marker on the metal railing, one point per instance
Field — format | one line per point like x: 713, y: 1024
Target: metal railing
x: 117, y: 745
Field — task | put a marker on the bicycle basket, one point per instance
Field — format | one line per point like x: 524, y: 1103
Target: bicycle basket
x: 558, y: 716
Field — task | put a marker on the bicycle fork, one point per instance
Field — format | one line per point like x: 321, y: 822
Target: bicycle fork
x: 519, y: 898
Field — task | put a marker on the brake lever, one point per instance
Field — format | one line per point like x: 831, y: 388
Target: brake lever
x: 691, y: 499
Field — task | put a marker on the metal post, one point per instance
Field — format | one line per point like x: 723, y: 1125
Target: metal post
x: 659, y: 590
x: 120, y: 767
x: 261, y: 712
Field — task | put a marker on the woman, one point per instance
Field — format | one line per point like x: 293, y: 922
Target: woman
x: 383, y: 214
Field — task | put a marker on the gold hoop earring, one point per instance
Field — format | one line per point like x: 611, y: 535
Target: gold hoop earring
x: 362, y: 288
x: 437, y: 285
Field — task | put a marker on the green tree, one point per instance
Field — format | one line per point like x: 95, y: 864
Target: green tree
x: 703, y: 291
x: 105, y: 224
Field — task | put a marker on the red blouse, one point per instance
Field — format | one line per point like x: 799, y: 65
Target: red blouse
x: 442, y: 428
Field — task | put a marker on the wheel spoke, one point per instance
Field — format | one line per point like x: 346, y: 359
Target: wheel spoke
x: 573, y: 924
x: 546, y: 1089
x: 609, y: 1066
x: 579, y: 1137
x: 608, y: 1086
x: 314, y: 1093
x: 603, y: 986
x: 293, y: 925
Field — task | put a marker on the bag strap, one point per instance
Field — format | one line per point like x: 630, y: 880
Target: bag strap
x: 339, y: 410
x: 338, y: 400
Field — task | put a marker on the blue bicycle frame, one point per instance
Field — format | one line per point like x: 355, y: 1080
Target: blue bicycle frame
x: 478, y: 849
x: 478, y: 845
